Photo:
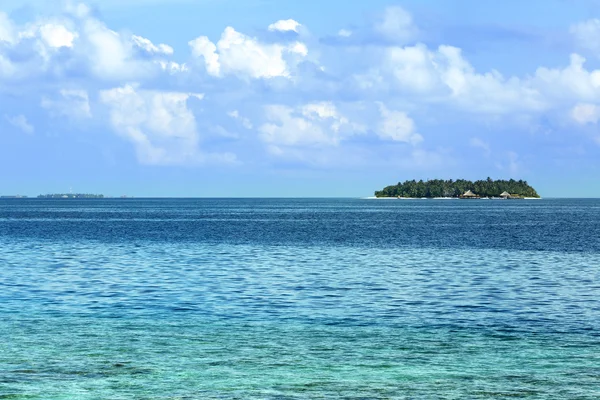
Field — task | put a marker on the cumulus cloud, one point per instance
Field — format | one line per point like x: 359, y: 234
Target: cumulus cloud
x: 147, y: 46
x: 57, y: 36
x: 306, y: 110
x: 34, y: 48
x: 289, y: 127
x: 203, y: 47
x: 109, y: 54
x: 244, y: 121
x: 7, y: 30
x: 48, y: 34
x: 172, y: 67
x: 285, y: 26
x: 573, y: 82
x: 160, y: 125
x: 397, y: 126
x: 445, y: 75
x: 587, y: 35
x: 77, y: 43
x: 396, y: 25
x: 68, y: 103
x: 313, y: 124
x: 7, y: 68
x: 20, y: 122
x: 413, y: 68
x: 244, y: 56
x: 585, y: 113
x: 79, y: 10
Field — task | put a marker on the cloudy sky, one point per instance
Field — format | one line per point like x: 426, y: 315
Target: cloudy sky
x: 289, y: 98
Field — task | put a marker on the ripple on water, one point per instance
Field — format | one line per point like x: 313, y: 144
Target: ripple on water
x: 157, y: 318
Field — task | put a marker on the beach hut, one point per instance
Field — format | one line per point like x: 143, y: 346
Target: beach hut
x: 505, y: 195
x: 469, y: 195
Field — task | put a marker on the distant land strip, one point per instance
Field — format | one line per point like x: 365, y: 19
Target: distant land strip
x: 71, y: 196
x: 460, y: 188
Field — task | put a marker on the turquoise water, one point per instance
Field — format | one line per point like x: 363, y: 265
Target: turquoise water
x: 299, y: 299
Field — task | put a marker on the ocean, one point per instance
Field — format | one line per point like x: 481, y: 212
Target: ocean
x: 299, y: 299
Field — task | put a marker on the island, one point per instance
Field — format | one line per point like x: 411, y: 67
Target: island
x: 460, y: 188
x: 71, y: 196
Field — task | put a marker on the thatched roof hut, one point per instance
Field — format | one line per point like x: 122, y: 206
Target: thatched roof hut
x: 505, y: 195
x: 469, y: 195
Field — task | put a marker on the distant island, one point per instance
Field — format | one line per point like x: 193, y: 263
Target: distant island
x: 71, y: 196
x: 460, y: 188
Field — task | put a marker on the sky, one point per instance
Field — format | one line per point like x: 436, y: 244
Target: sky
x: 280, y: 98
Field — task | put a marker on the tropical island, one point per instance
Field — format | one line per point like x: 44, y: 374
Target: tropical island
x: 71, y: 196
x: 460, y: 188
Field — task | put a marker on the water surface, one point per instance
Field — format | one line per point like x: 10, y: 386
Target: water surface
x: 299, y: 299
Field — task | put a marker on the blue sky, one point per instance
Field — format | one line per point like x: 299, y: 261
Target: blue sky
x: 288, y: 98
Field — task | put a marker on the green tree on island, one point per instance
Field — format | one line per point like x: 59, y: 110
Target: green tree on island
x: 449, y: 188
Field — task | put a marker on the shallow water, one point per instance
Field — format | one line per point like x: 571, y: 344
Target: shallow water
x: 299, y: 299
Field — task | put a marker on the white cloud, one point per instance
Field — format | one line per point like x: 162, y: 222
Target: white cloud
x: 20, y: 122
x: 489, y: 92
x: 56, y: 36
x: 445, y: 75
x: 413, y: 68
x: 160, y: 125
x: 203, y: 47
x: 78, y: 43
x: 285, y: 26
x: 396, y: 25
x: 322, y: 110
x: 587, y: 35
x: 49, y: 35
x: 7, y: 30
x: 73, y: 104
x: 56, y: 52
x: 286, y: 127
x: 481, y: 144
x: 314, y: 124
x: 573, y: 82
x: 397, y: 126
x: 585, y: 113
x: 172, y: 67
x: 109, y: 54
x: 222, y: 132
x: 238, y: 54
x: 244, y: 121
x: 29, y: 50
x: 151, y: 48
x: 79, y: 10
x: 7, y: 68
x: 298, y: 48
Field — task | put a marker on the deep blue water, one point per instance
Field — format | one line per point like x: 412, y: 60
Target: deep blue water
x: 299, y: 299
